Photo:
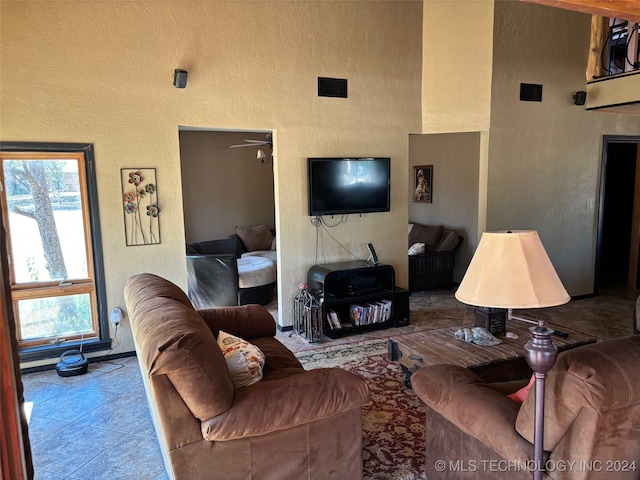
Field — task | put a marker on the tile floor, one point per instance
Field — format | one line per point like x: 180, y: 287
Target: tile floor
x: 97, y: 426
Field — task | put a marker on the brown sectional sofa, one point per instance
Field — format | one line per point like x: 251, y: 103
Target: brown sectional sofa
x: 293, y: 424
x: 592, y: 419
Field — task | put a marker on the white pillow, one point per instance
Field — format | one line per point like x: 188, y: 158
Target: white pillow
x: 417, y: 249
x: 244, y: 360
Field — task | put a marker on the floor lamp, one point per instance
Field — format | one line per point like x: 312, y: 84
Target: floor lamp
x: 511, y: 270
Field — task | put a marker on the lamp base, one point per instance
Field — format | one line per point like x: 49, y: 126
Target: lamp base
x: 493, y: 319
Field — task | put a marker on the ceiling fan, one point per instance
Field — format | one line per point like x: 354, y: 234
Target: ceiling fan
x: 256, y: 143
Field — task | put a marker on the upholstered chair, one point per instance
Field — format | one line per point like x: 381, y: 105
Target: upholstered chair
x: 290, y: 424
x: 591, y: 421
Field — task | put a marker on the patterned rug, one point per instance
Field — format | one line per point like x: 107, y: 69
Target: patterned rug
x: 338, y: 355
x: 394, y: 422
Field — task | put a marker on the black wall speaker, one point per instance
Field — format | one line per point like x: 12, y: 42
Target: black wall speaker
x: 580, y: 97
x: 332, y: 87
x: 530, y: 92
x: 400, y: 307
x: 180, y: 78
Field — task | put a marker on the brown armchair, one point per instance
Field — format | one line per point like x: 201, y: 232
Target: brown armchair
x: 592, y: 419
x: 293, y: 424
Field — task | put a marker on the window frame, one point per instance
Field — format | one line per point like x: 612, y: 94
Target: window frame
x: 103, y: 342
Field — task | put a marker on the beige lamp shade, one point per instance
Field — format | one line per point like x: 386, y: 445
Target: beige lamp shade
x: 511, y: 269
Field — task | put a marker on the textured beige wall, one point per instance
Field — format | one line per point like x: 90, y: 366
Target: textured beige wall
x: 101, y: 72
x: 544, y: 157
x: 456, y: 69
x: 223, y: 188
x: 454, y: 157
x: 457, y: 64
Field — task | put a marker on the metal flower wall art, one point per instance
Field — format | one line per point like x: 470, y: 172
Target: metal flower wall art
x: 141, y: 211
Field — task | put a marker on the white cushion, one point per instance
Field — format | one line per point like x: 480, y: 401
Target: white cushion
x: 244, y: 360
x: 270, y: 255
x: 417, y: 249
x: 255, y: 271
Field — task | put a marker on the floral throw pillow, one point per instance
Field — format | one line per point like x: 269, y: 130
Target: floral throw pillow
x: 244, y: 360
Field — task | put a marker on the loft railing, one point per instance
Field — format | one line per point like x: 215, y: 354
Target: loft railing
x: 620, y: 51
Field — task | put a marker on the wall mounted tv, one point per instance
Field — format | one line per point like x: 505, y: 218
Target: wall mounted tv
x: 339, y: 186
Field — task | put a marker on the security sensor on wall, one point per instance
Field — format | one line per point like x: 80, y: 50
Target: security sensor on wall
x: 180, y: 78
x: 580, y: 97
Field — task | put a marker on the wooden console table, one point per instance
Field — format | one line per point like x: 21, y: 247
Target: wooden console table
x: 493, y: 363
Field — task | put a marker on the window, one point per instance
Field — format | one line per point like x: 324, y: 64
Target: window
x: 50, y: 214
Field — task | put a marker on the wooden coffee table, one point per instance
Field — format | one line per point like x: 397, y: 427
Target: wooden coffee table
x: 493, y: 363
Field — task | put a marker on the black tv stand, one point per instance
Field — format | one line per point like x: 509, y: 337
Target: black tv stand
x: 342, y: 287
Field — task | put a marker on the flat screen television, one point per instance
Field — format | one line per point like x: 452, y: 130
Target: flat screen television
x: 340, y: 186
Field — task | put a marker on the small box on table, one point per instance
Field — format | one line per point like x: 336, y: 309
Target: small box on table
x: 493, y: 319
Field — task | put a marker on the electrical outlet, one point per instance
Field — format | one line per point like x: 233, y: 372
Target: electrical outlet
x: 116, y: 316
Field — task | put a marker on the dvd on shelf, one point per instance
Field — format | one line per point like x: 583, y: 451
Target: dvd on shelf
x: 366, y: 314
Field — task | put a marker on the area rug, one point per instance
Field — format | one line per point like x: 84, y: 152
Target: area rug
x: 338, y: 355
x: 393, y: 422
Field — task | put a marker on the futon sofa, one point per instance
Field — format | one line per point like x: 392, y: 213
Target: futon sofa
x: 238, y: 270
x: 257, y: 241
x: 592, y: 419
x: 291, y: 424
x: 219, y: 276
x: 432, y: 250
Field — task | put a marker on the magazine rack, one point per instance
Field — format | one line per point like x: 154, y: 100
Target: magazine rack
x: 343, y: 288
x: 307, y: 319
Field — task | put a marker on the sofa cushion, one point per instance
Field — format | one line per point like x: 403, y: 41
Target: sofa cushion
x: 300, y: 398
x: 278, y: 357
x: 254, y: 271
x: 427, y: 234
x: 255, y: 238
x: 244, y: 360
x: 270, y: 255
x: 473, y: 406
x: 448, y: 241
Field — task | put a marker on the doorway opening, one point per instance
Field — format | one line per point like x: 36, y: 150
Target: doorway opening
x: 618, y: 243
x: 227, y: 181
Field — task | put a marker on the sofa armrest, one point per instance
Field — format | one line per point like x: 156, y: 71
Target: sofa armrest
x: 230, y: 246
x: 246, y: 321
x: 302, y: 398
x: 469, y: 403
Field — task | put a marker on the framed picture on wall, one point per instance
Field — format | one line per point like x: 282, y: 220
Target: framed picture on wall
x: 423, y: 183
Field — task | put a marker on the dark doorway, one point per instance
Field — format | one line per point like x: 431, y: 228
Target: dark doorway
x: 616, y: 225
